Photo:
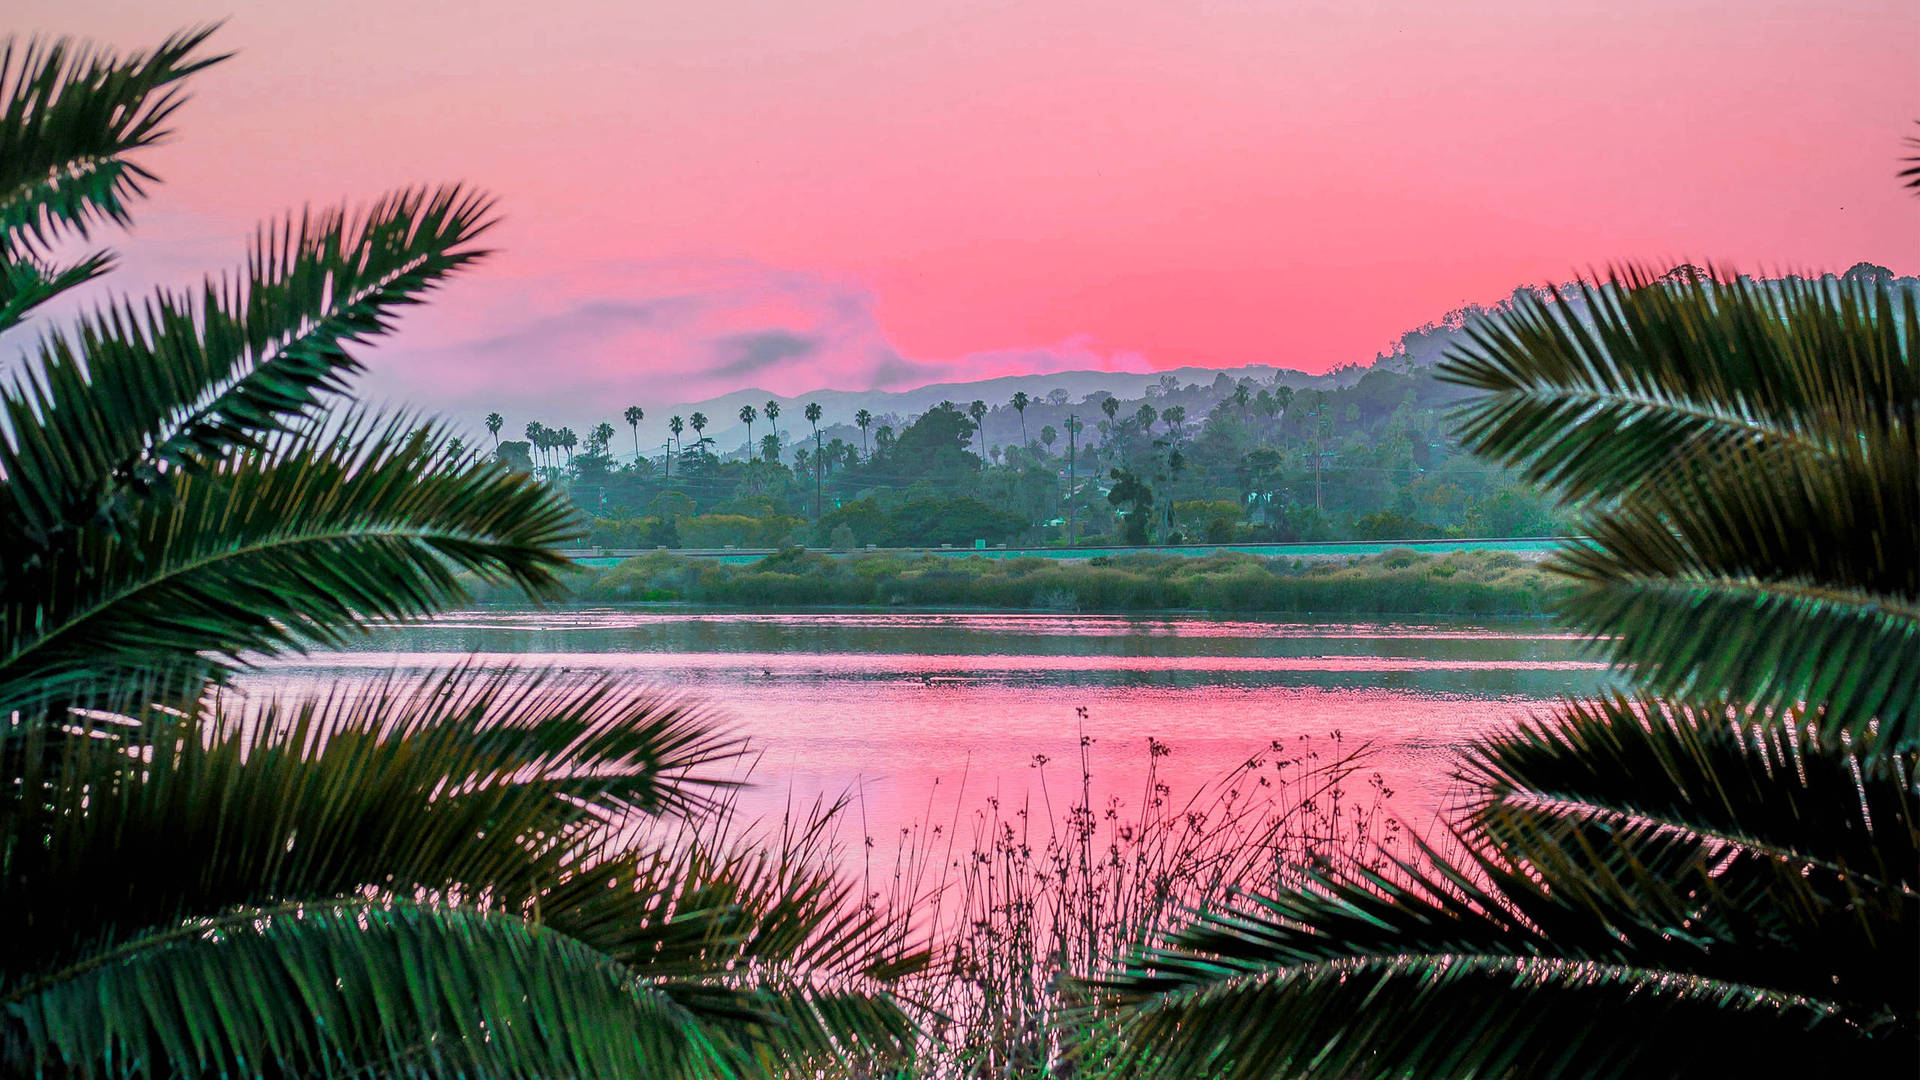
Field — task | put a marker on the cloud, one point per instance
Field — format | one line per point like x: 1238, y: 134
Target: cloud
x: 572, y: 345
x: 742, y: 354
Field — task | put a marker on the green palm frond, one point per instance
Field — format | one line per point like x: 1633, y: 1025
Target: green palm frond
x: 1689, y: 630
x: 1448, y: 1015
x: 1748, y: 455
x: 352, y: 987
x: 533, y: 795
x: 1654, y: 866
x: 1636, y: 385
x: 138, y: 390
x: 465, y: 784
x: 1642, y: 765
x: 813, y: 967
x: 70, y: 118
x: 297, y: 543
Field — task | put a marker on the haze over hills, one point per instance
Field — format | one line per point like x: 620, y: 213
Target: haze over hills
x: 1420, y: 347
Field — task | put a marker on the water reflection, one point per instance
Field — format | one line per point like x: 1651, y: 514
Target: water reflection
x: 901, y: 703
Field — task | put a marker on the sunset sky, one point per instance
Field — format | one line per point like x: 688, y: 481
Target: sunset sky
x: 796, y: 194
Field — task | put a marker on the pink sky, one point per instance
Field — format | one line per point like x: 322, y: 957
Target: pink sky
x: 792, y: 195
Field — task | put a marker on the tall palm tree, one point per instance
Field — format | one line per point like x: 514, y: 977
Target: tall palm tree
x: 567, y: 440
x: 862, y: 420
x: 634, y: 415
x: 1111, y: 406
x: 536, y: 434
x: 698, y: 422
x: 978, y: 411
x: 1020, y: 402
x: 676, y: 425
x: 1712, y: 875
x: 747, y: 417
x: 494, y: 423
x: 812, y: 413
x: 772, y: 410
x: 466, y: 874
x: 770, y: 448
x: 602, y: 436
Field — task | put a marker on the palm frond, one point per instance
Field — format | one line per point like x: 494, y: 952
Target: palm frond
x: 466, y: 784
x: 343, y: 987
x: 1639, y: 384
x: 71, y: 119
x: 1748, y: 455
x: 1447, y: 1015
x: 141, y: 390
x: 1659, y: 866
x: 1845, y: 654
x: 1911, y: 174
x: 298, y: 543
x: 27, y: 282
x: 769, y: 919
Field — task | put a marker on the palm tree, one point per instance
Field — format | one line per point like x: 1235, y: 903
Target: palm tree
x: 1173, y: 416
x: 812, y: 413
x: 536, y: 434
x: 862, y: 419
x: 602, y: 436
x: 698, y: 421
x: 494, y: 423
x: 1020, y: 403
x: 978, y: 411
x: 747, y: 417
x: 417, y: 877
x: 1048, y: 436
x: 770, y: 448
x: 634, y: 415
x: 772, y: 409
x: 1111, y: 406
x: 567, y: 440
x: 676, y: 425
x: 1708, y: 876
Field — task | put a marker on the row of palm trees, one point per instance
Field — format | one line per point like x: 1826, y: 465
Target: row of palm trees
x: 546, y: 440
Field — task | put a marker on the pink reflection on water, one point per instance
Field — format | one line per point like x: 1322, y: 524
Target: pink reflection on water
x: 1036, y: 625
x: 941, y: 668
x: 929, y: 736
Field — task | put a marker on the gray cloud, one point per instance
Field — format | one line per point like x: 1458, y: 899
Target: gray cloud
x: 741, y: 354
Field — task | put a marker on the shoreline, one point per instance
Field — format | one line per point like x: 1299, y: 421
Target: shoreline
x: 1396, y: 582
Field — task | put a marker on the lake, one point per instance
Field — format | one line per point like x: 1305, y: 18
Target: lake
x: 923, y: 712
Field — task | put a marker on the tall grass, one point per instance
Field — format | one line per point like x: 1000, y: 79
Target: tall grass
x: 1017, y: 902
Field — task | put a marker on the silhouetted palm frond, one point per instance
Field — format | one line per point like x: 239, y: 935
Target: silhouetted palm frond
x: 1661, y: 922
x: 1748, y: 455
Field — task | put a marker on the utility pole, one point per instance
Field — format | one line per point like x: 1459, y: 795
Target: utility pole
x: 1073, y: 428
x: 816, y: 474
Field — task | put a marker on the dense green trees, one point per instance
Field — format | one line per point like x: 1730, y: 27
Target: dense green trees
x: 499, y: 874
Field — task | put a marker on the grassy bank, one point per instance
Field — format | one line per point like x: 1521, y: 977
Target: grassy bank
x: 1397, y: 581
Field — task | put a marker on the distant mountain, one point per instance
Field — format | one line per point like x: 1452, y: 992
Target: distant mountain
x: 1196, y: 388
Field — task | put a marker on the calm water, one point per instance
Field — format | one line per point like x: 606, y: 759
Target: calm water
x: 902, y: 706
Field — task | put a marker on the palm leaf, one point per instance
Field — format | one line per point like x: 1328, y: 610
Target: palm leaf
x: 465, y: 783
x: 70, y: 119
x: 339, y: 988
x: 1656, y: 866
x: 297, y: 543
x: 1748, y: 455
x: 137, y: 391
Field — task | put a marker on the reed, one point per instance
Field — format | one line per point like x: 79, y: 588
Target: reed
x: 1017, y: 903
